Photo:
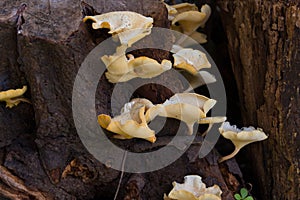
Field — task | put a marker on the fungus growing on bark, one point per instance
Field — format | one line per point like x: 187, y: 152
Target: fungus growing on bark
x: 187, y: 107
x: 131, y: 123
x: 240, y: 137
x: 13, y: 97
x: 190, y: 60
x: 193, y: 189
x: 187, y: 19
x: 121, y: 69
x: 128, y: 26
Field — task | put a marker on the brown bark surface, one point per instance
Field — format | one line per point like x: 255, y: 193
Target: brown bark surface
x: 264, y: 45
x: 41, y: 155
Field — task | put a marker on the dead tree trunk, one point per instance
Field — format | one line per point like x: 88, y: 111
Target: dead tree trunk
x: 264, y: 45
x: 41, y: 157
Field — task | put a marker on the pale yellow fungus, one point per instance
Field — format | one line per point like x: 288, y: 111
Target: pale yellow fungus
x: 240, y: 137
x: 13, y: 97
x: 193, y: 189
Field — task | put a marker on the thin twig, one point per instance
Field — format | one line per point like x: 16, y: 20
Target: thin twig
x: 122, y: 174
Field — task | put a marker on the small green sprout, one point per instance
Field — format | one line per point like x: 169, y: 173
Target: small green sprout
x: 243, y: 195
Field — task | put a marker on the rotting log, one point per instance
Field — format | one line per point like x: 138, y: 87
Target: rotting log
x: 43, y: 45
x: 264, y: 45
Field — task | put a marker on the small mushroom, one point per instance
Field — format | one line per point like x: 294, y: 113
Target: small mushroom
x: 128, y: 26
x: 131, y: 123
x: 240, y: 137
x: 121, y: 69
x: 187, y: 107
x: 191, y: 60
x: 207, y: 10
x: 200, y: 79
x: 189, y: 21
x: 179, y: 8
x: 193, y: 189
x: 210, y: 121
x: 13, y: 97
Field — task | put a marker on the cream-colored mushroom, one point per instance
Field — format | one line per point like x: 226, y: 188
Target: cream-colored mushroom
x: 207, y: 10
x: 129, y: 26
x: 191, y: 60
x: 189, y: 21
x: 187, y: 107
x: 123, y: 69
x: 200, y: 79
x: 131, y: 123
x: 240, y: 137
x: 193, y: 189
x: 13, y: 97
x: 210, y: 121
x: 179, y: 8
x: 183, y: 7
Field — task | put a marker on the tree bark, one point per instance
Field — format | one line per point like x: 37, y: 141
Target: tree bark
x: 264, y: 45
x: 41, y: 155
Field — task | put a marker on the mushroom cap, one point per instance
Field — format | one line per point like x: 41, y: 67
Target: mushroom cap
x: 191, y: 60
x: 207, y: 10
x: 243, y: 136
x: 131, y: 123
x: 212, y: 120
x: 189, y: 21
x: 194, y: 189
x: 130, y: 26
x: 183, y: 7
x: 10, y: 94
x: 142, y: 67
x: 200, y: 101
x: 179, y: 8
x: 187, y: 107
x: 13, y: 97
x: 201, y: 78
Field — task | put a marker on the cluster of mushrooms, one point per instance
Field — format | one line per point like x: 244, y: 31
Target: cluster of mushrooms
x: 129, y: 27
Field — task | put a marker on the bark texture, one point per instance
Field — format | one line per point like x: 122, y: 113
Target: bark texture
x: 264, y: 45
x: 41, y: 155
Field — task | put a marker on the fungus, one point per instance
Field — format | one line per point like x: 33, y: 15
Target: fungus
x: 131, y: 123
x: 193, y: 189
x: 189, y: 19
x: 190, y: 60
x: 187, y: 107
x: 195, y: 81
x: 240, y: 137
x: 128, y: 26
x: 121, y: 69
x: 179, y: 8
x: 13, y: 97
x: 207, y: 10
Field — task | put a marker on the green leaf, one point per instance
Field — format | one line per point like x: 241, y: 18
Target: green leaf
x: 237, y: 197
x: 244, y: 193
x: 249, y: 198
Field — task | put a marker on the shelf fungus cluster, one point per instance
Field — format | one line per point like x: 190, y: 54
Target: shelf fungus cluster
x: 133, y: 121
x: 13, y: 97
x: 186, y: 18
x: 193, y: 189
x: 240, y: 137
x: 129, y: 27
